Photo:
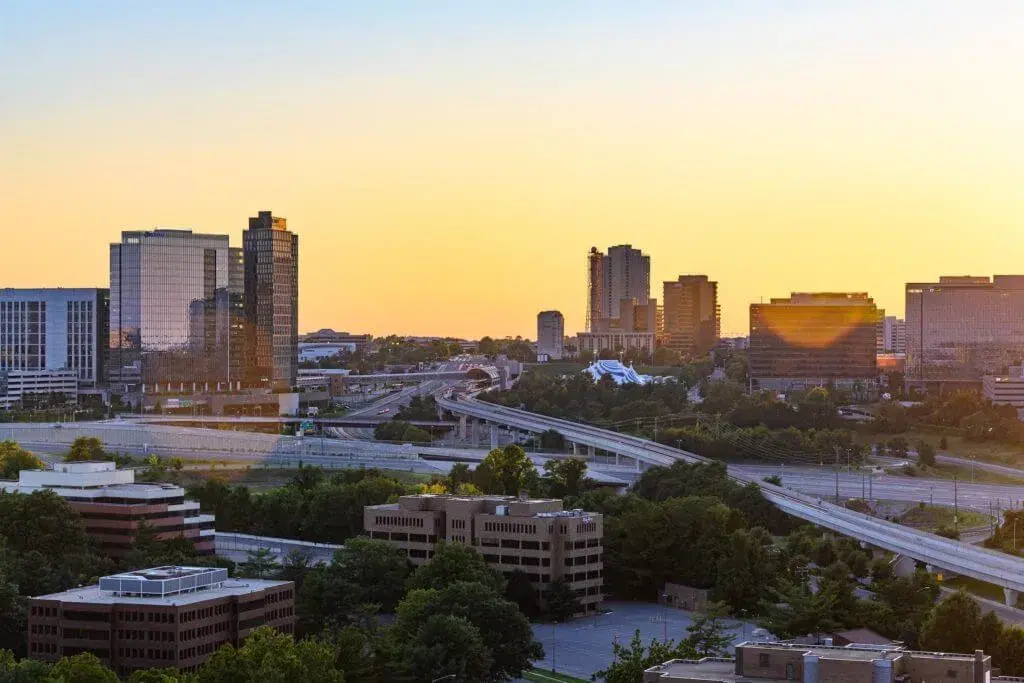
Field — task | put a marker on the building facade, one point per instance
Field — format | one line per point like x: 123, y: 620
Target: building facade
x: 171, y: 319
x: 550, y: 336
x: 272, y: 301
x: 961, y: 328
x: 1005, y: 390
x: 155, y: 618
x: 113, y: 507
x: 536, y: 537
x: 692, y: 318
x: 814, y: 339
x: 624, y: 273
x: 55, y: 329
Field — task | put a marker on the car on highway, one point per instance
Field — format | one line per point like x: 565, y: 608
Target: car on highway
x: 384, y: 411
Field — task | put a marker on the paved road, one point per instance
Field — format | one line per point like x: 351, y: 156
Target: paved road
x: 822, y: 482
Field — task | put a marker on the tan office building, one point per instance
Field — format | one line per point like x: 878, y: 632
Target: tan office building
x: 536, y: 537
x: 826, y: 664
x: 692, y: 318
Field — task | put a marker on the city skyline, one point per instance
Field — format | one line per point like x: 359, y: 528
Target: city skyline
x: 804, y: 148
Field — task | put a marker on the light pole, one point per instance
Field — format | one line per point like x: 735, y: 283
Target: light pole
x: 664, y: 617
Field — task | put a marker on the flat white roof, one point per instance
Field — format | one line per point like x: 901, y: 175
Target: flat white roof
x: 169, y: 586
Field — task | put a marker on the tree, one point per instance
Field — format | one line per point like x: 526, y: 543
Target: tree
x: 503, y: 629
x: 364, y: 572
x: 560, y: 601
x: 86, y: 448
x: 745, y: 570
x: 566, y: 476
x: 259, y: 564
x: 943, y: 443
x: 445, y: 645
x: 459, y: 474
x: 898, y: 447
x: 82, y: 668
x: 552, y: 440
x: 271, y: 656
x: 990, y: 630
x: 952, y: 625
x: 1008, y: 654
x: 708, y: 634
x: 519, y: 590
x: 454, y: 563
x: 511, y: 470
x: 632, y: 660
x: 925, y: 454
x: 168, y: 675
x: 14, y: 459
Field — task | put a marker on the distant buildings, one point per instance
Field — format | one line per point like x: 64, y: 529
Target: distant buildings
x: 961, y: 328
x: 113, y: 507
x: 616, y: 341
x: 272, y: 301
x: 550, y: 336
x: 171, y: 313
x: 326, y: 342
x: 813, y: 339
x: 161, y: 617
x: 623, y: 274
x: 1005, y: 389
x: 52, y: 341
x: 536, y: 537
x: 894, y: 335
x: 692, y: 318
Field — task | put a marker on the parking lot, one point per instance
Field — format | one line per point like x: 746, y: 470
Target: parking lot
x: 584, y: 646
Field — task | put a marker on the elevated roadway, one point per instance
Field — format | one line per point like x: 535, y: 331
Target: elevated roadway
x: 935, y: 551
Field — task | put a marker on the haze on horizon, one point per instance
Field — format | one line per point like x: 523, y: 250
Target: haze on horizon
x: 448, y: 165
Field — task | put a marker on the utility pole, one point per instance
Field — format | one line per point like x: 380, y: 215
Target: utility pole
x: 837, y: 475
x: 956, y: 509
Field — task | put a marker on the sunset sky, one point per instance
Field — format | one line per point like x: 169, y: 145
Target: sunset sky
x: 447, y: 165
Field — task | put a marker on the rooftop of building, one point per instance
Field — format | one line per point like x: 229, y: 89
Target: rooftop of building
x: 723, y: 669
x: 166, y: 586
x: 824, y: 299
x: 90, y: 478
x: 502, y: 506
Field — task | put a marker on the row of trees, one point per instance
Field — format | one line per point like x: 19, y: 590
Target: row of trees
x: 964, y: 413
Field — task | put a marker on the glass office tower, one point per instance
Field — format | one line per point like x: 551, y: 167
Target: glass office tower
x: 170, y: 325
x: 961, y: 328
x: 271, y: 301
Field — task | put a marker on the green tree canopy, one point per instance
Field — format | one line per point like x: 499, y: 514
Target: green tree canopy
x: 510, y: 469
x: 14, y: 459
x: 953, y: 625
x: 86, y: 448
x: 454, y: 563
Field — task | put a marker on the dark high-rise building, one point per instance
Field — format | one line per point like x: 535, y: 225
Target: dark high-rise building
x: 623, y: 274
x: 169, y: 325
x: 812, y: 340
x: 271, y: 301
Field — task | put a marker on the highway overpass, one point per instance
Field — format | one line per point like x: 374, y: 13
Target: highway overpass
x: 935, y: 551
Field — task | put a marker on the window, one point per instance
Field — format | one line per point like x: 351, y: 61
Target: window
x: 764, y: 660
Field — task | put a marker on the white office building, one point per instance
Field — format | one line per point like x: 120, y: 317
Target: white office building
x: 550, y: 336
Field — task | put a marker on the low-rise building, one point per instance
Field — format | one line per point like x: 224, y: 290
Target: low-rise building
x: 536, y: 536
x: 23, y: 388
x: 1005, y: 390
x: 616, y: 341
x: 161, y: 617
x: 824, y: 664
x: 113, y: 506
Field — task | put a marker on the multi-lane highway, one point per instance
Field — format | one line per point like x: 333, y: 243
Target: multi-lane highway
x: 985, y: 565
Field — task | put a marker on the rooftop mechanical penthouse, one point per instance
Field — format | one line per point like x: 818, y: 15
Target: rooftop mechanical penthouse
x: 536, y: 537
x: 160, y: 617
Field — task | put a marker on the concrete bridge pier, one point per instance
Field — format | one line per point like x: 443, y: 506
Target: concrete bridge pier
x: 591, y: 453
x: 463, y: 422
x: 618, y: 459
x: 1010, y: 596
x: 494, y: 436
x: 575, y: 448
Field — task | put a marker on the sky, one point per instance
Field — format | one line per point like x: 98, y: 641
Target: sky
x: 448, y: 165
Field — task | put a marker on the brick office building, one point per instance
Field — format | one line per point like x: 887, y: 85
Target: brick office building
x: 113, y: 506
x: 161, y: 617
x: 536, y: 537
